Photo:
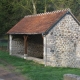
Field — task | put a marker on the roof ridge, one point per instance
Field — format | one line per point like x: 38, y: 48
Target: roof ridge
x: 56, y: 11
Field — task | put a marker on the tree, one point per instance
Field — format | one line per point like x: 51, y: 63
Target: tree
x: 11, y: 11
x: 5, y: 14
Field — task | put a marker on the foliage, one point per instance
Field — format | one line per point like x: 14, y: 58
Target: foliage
x: 35, y: 71
x: 11, y: 11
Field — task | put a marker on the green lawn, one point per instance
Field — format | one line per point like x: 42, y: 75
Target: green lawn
x: 35, y: 71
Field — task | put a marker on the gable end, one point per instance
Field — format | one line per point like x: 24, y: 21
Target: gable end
x: 46, y: 32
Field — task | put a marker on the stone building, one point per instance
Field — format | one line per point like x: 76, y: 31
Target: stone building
x: 52, y: 36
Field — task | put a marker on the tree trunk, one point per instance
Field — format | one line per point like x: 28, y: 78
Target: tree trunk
x: 34, y: 7
x: 45, y: 7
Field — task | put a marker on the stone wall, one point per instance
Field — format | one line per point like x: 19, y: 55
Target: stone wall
x: 62, y: 44
x: 17, y: 46
x: 35, y: 46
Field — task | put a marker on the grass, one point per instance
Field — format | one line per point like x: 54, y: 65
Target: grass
x: 35, y: 71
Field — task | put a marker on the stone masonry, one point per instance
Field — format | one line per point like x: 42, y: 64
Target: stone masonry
x: 71, y: 77
x: 17, y: 46
x: 63, y: 44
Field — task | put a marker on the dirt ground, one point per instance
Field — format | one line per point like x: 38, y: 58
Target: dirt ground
x: 7, y: 72
x: 8, y: 75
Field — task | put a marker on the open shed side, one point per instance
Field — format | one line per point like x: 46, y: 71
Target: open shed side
x: 32, y: 46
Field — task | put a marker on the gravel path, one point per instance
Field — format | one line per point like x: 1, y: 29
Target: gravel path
x: 7, y: 72
x: 8, y: 75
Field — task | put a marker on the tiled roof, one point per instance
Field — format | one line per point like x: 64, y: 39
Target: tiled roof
x: 37, y: 24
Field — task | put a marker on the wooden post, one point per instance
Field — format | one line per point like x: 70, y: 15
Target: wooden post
x: 25, y: 46
x: 45, y: 49
x: 10, y: 44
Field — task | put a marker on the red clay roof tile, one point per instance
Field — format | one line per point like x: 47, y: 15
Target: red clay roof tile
x: 37, y: 24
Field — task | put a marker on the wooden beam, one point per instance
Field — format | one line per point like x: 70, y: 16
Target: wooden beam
x: 42, y: 37
x: 25, y: 43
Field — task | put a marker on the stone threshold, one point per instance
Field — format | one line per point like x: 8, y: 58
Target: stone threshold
x: 38, y: 60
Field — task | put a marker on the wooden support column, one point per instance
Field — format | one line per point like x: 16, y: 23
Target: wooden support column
x: 10, y: 44
x: 25, y: 46
x: 45, y: 49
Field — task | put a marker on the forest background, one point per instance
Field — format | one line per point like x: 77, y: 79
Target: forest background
x: 11, y: 11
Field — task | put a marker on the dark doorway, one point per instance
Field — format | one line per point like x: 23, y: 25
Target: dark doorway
x: 35, y: 46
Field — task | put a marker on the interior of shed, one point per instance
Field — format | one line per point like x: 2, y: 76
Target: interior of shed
x: 33, y: 45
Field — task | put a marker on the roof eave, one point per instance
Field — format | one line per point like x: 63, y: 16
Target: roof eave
x: 74, y: 18
x: 23, y: 33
